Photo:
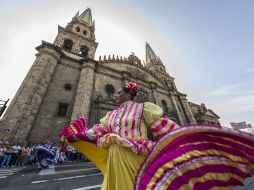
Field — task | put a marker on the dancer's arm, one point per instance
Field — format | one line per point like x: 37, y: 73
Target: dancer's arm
x: 159, y: 125
x: 78, y: 131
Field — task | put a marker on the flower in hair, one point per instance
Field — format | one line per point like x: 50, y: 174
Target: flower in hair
x: 132, y: 86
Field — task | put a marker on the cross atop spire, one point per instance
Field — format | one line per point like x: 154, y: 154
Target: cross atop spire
x: 151, y: 57
x: 85, y: 17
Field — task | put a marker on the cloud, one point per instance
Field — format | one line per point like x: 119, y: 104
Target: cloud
x: 237, y: 105
x: 224, y: 90
x: 243, y: 102
x: 231, y: 90
x: 232, y: 102
x: 235, y: 109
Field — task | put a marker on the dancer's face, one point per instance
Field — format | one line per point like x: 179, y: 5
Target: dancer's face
x: 122, y: 96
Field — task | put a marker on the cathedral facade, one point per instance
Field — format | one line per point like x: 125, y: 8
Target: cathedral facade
x: 65, y: 81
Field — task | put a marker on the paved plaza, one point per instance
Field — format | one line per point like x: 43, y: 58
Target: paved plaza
x: 72, y: 176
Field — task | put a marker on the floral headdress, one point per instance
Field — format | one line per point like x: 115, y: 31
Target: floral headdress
x: 133, y: 87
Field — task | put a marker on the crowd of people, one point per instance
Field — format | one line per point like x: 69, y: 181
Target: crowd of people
x: 14, y: 154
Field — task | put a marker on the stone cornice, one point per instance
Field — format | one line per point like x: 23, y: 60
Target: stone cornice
x: 146, y: 83
x: 70, y: 65
x: 62, y: 52
x: 182, y: 95
x: 88, y: 65
x: 102, y: 63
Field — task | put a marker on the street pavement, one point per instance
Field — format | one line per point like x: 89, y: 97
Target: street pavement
x: 71, y: 176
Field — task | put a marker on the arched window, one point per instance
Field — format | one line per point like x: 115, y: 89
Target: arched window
x: 110, y: 89
x: 164, y: 106
x: 62, y: 109
x: 68, y: 43
x: 77, y: 29
x: 84, y: 51
x: 85, y: 32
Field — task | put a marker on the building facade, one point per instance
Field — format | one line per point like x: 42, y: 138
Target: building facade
x: 65, y: 81
x: 243, y: 126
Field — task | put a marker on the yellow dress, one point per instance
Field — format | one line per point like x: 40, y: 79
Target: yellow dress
x: 119, y: 144
x: 191, y: 157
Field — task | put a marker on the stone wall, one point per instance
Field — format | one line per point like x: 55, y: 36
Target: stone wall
x: 21, y: 113
x: 47, y: 123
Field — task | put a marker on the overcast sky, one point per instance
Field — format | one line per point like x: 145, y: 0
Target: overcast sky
x: 207, y: 46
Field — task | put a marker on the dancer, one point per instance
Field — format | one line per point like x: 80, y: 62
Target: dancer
x: 188, y: 157
x: 45, y: 155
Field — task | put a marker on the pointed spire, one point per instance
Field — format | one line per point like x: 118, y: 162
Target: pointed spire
x: 86, y: 17
x: 150, y: 55
x: 77, y: 14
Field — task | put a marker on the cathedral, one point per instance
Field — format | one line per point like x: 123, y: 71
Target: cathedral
x: 65, y: 81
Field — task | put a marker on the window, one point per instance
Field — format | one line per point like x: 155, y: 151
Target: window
x: 110, y: 90
x: 84, y: 51
x: 62, y: 109
x: 68, y: 44
x: 77, y: 29
x: 67, y: 87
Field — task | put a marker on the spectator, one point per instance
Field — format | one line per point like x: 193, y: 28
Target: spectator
x: 2, y: 150
x: 7, y: 156
x: 68, y: 152
x: 31, y: 156
x: 14, y: 156
x: 17, y: 155
x: 23, y: 156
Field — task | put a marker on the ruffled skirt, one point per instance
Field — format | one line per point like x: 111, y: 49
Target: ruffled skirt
x: 198, y: 157
x: 118, y: 164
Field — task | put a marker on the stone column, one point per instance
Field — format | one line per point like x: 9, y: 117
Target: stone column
x: 84, y: 91
x: 153, y: 86
x: 187, y: 109
x: 22, y: 111
x: 192, y: 118
x: 172, y: 96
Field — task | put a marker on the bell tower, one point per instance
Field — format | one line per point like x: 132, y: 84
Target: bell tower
x: 57, y: 87
x: 155, y: 65
x: 180, y: 102
x: 78, y: 36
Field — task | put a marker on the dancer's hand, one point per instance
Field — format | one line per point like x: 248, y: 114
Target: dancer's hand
x: 69, y: 132
x: 69, y: 139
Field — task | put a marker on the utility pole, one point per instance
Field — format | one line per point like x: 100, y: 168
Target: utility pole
x: 3, y: 106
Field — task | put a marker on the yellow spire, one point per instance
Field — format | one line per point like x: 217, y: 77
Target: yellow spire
x: 86, y: 17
